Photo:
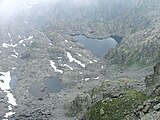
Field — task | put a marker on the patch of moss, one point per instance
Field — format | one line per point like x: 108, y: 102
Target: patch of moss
x: 118, y: 108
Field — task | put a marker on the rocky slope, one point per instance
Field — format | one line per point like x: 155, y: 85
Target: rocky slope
x: 141, y: 48
x: 123, y: 99
x: 37, y: 45
x: 33, y: 58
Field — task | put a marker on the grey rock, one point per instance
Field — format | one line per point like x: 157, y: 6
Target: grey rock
x: 146, y: 109
x: 152, y: 82
x: 157, y: 107
x: 151, y: 116
x: 102, y: 112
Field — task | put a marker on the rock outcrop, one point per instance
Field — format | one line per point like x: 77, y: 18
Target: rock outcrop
x: 153, y: 82
x: 108, y: 90
x: 110, y: 100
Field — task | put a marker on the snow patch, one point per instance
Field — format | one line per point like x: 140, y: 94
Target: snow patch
x: 19, y: 37
x: 66, y: 41
x: 24, y: 45
x: 5, y: 45
x: 96, y: 78
x: 25, y: 39
x: 95, y: 60
x: 9, y: 35
x: 14, y: 56
x: 80, y: 55
x: 6, y: 88
x: 21, y: 41
x: 90, y: 62
x: 59, y: 60
x: 54, y: 67
x: 65, y: 65
x: 14, y: 68
x: 86, y: 79
x: 30, y: 37
x: 71, y: 59
x: 9, y: 108
x: 15, y: 52
x: 8, y: 114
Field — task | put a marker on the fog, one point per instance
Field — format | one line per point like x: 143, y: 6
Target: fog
x: 11, y: 8
x: 107, y: 9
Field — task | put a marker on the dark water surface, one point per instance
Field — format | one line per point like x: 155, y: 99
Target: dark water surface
x: 54, y: 85
x: 96, y: 46
x: 13, y: 81
x: 36, y: 91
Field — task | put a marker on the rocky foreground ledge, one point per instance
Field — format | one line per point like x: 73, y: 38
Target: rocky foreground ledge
x: 120, y: 100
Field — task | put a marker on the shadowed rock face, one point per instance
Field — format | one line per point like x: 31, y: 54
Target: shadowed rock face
x: 153, y: 81
x: 117, y: 38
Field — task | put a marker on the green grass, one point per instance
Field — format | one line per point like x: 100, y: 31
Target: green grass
x: 117, y: 109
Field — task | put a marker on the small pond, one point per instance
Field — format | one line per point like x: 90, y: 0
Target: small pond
x: 36, y: 91
x: 54, y: 84
x: 13, y: 80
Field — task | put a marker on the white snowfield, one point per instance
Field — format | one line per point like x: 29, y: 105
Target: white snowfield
x: 71, y: 59
x: 6, y: 88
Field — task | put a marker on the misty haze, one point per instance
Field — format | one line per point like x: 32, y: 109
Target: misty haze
x: 80, y: 60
